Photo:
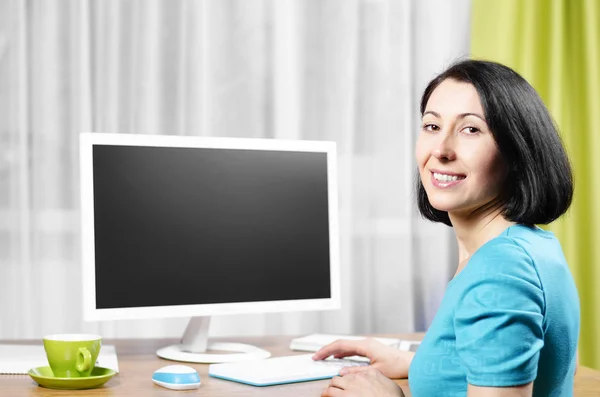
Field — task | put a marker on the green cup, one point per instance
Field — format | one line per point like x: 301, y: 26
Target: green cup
x: 72, y: 355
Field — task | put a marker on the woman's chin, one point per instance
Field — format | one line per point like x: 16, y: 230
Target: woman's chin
x: 443, y: 206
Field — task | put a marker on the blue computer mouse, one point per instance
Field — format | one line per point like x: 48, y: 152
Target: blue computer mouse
x: 177, y: 377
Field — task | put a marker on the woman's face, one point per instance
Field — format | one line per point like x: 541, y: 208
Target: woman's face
x: 459, y: 163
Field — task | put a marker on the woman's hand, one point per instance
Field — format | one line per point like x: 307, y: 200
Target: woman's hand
x: 390, y: 361
x: 366, y: 383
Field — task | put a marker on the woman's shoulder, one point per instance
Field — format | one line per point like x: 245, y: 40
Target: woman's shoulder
x: 508, y: 248
x: 514, y: 253
x: 520, y: 252
x: 501, y: 273
x: 518, y: 243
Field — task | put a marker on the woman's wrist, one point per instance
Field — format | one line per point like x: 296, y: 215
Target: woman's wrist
x: 403, y: 363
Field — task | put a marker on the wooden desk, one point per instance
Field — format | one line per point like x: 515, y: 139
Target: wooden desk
x: 138, y: 361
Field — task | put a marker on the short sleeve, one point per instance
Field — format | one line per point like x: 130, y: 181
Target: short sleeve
x: 499, y: 317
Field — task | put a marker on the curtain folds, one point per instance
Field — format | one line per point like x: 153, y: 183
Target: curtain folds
x: 555, y: 45
x: 350, y: 71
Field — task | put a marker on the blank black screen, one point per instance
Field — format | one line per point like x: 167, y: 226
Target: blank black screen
x: 179, y: 226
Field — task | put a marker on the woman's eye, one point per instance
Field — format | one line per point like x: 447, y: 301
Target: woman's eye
x: 471, y: 130
x: 431, y: 127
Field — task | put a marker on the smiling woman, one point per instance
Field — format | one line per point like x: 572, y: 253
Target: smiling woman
x: 492, y: 166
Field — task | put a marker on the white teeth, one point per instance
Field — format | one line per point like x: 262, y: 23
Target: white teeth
x: 446, y: 178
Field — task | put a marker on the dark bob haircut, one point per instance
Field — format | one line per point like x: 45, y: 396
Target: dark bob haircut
x: 539, y: 185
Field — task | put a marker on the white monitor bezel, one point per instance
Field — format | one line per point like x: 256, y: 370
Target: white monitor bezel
x: 91, y: 313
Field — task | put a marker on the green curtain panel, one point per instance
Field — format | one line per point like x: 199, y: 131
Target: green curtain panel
x: 555, y: 45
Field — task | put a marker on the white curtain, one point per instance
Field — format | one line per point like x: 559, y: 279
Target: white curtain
x: 350, y: 71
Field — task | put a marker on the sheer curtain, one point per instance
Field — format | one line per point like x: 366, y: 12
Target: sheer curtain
x: 350, y: 71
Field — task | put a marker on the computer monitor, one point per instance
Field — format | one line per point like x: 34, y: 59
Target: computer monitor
x: 181, y: 226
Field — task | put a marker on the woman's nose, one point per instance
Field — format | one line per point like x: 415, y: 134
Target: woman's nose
x: 445, y: 149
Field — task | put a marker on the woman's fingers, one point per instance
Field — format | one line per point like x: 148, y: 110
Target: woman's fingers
x: 335, y: 388
x: 340, y: 348
x: 355, y: 370
x: 332, y: 392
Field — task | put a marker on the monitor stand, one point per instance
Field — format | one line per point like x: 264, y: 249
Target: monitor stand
x: 194, y: 345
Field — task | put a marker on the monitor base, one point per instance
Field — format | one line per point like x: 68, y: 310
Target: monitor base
x: 194, y: 346
x: 242, y: 352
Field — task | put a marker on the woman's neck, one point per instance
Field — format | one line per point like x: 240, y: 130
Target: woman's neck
x: 472, y: 231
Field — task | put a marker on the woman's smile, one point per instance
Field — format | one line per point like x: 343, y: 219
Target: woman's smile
x: 446, y: 179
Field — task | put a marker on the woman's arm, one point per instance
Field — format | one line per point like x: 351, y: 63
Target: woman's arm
x: 516, y: 391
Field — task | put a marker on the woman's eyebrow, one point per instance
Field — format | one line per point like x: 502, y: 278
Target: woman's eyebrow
x: 460, y: 116
x: 431, y: 112
x: 463, y: 115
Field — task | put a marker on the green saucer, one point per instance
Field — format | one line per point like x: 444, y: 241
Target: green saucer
x: 44, y: 377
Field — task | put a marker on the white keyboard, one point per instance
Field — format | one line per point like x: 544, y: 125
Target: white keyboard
x: 279, y: 370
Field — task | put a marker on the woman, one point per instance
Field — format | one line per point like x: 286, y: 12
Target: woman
x: 492, y: 166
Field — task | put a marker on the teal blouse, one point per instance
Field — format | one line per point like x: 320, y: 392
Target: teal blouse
x: 510, y: 317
